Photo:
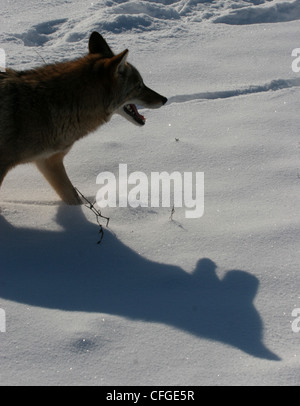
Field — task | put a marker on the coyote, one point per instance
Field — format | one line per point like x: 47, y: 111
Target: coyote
x: 43, y: 111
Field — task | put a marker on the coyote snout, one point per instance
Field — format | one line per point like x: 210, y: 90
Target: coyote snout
x: 146, y: 97
x: 44, y: 111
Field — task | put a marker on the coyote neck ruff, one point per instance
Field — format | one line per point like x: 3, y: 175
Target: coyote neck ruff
x: 44, y: 111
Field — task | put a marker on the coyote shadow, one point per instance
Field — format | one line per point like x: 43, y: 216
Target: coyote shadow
x: 67, y: 270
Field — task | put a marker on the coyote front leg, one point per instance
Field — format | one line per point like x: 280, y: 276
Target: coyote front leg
x: 54, y: 171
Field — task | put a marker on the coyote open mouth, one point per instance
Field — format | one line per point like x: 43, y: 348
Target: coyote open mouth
x: 132, y: 111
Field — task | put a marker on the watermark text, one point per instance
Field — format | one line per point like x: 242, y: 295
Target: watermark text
x: 2, y: 60
x: 296, y: 62
x: 160, y: 189
x: 2, y: 321
x: 296, y: 321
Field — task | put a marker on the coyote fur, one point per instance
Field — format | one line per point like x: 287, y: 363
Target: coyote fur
x: 43, y: 111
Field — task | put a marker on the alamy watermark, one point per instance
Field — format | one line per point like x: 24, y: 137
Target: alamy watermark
x: 296, y: 62
x: 2, y: 60
x: 160, y: 189
x: 296, y: 312
x: 2, y: 321
x: 296, y: 321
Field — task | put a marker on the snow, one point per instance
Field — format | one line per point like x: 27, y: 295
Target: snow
x: 162, y: 301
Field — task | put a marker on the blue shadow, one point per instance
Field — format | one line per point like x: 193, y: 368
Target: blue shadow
x: 67, y: 270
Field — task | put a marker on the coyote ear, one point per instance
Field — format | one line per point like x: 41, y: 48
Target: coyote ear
x: 98, y: 45
x: 117, y: 63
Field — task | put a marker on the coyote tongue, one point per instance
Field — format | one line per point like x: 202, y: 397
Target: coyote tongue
x: 132, y: 111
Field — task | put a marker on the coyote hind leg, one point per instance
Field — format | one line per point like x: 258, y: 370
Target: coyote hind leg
x: 54, y: 171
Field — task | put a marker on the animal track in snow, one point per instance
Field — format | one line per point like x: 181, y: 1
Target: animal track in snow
x: 274, y: 85
x: 41, y: 33
x: 278, y: 12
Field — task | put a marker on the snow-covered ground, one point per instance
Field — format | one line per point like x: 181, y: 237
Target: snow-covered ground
x: 162, y: 301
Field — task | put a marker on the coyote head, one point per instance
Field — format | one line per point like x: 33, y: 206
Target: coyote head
x: 127, y: 88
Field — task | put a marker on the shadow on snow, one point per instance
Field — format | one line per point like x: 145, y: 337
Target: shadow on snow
x: 67, y: 270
